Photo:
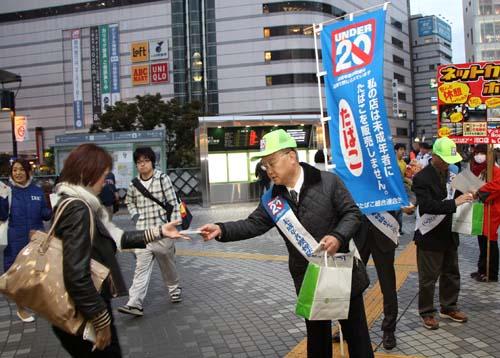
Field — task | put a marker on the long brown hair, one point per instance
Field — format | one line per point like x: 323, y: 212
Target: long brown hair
x: 85, y: 165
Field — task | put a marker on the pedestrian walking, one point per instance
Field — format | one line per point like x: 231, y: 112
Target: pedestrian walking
x: 151, y: 201
x: 109, y: 194
x: 83, y: 179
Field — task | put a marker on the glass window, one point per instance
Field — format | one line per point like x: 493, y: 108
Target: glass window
x: 402, y: 96
x: 397, y: 24
x: 397, y: 42
x: 297, y: 6
x: 399, y: 77
x: 487, y: 32
x: 288, y: 30
x: 402, y: 132
x: 217, y: 167
x: 237, y: 164
x: 398, y: 60
x: 291, y: 78
x: 291, y: 54
x: 68, y: 9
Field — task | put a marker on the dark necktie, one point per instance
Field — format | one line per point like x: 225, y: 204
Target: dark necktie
x: 294, y: 196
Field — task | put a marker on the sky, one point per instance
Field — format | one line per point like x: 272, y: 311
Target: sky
x: 450, y: 10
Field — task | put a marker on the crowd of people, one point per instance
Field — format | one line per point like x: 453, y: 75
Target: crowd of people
x: 318, y: 200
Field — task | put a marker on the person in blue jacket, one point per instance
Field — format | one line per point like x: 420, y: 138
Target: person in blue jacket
x: 26, y: 212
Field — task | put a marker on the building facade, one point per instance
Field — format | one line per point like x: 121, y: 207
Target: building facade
x: 431, y: 47
x: 238, y: 57
x: 481, y: 30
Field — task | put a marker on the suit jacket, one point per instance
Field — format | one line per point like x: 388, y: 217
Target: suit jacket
x: 431, y: 196
x: 367, y: 233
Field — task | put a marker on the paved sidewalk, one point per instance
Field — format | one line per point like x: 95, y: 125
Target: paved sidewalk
x: 239, y: 302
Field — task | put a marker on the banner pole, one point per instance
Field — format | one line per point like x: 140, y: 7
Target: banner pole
x: 489, y: 177
x: 316, y: 32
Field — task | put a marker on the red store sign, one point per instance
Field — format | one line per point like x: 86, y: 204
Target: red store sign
x: 159, y: 72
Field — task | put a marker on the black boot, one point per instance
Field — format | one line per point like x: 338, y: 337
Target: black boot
x: 389, y: 340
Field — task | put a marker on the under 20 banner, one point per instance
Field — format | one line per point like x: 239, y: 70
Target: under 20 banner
x: 360, y: 135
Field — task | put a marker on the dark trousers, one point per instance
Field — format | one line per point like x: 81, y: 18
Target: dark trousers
x: 384, y: 264
x: 483, y: 253
x: 431, y: 266
x: 399, y: 219
x: 354, y: 329
x: 77, y: 347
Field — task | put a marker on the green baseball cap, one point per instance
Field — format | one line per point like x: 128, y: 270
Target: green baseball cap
x: 446, y: 149
x: 275, y: 141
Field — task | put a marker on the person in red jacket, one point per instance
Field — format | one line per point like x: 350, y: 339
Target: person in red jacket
x: 489, y: 193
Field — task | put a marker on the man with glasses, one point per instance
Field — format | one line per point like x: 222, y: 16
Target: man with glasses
x: 326, y: 210
x: 151, y: 201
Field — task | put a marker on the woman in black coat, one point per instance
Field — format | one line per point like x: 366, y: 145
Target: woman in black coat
x: 82, y: 178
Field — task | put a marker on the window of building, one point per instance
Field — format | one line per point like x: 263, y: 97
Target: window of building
x: 403, y: 114
x: 397, y: 24
x: 291, y: 78
x: 402, y: 96
x: 432, y: 67
x: 485, y: 8
x: 397, y: 42
x: 68, y: 9
x: 401, y: 132
x: 297, y: 6
x: 399, y: 77
x: 487, y: 32
x: 398, y: 60
x: 291, y: 54
x: 288, y: 30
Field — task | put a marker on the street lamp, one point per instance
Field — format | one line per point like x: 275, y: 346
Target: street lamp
x: 8, y: 100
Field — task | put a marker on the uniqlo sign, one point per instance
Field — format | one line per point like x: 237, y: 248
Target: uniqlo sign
x: 159, y: 72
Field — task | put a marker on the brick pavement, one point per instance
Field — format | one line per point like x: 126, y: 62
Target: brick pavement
x: 239, y: 302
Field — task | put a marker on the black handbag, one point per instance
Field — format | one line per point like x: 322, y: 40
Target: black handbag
x: 360, y: 279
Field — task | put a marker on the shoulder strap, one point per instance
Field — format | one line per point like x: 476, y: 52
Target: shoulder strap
x: 60, y: 209
x: 169, y: 208
x: 147, y: 194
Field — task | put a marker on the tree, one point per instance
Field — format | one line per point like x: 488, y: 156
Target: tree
x: 150, y: 112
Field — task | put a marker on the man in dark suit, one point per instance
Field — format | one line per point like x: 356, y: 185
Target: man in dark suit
x: 436, y: 244
x: 371, y: 241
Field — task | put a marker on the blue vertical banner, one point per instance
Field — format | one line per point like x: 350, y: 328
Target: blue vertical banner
x: 360, y: 134
x: 114, y: 60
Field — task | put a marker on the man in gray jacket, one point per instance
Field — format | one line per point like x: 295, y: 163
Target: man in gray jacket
x: 327, y: 211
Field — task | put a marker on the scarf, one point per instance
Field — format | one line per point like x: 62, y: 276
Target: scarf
x: 477, y: 168
x: 16, y: 184
x: 84, y: 194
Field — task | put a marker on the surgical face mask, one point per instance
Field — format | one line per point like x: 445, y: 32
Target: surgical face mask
x: 480, y: 158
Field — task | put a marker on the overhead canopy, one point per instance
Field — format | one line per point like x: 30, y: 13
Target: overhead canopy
x: 8, y: 77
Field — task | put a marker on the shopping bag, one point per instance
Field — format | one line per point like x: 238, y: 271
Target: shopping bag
x: 325, y: 293
x: 468, y: 219
x: 36, y: 279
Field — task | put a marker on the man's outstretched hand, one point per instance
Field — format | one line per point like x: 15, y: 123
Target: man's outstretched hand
x: 210, y: 231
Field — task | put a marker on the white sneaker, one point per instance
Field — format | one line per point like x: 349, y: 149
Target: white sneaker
x: 25, y: 317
